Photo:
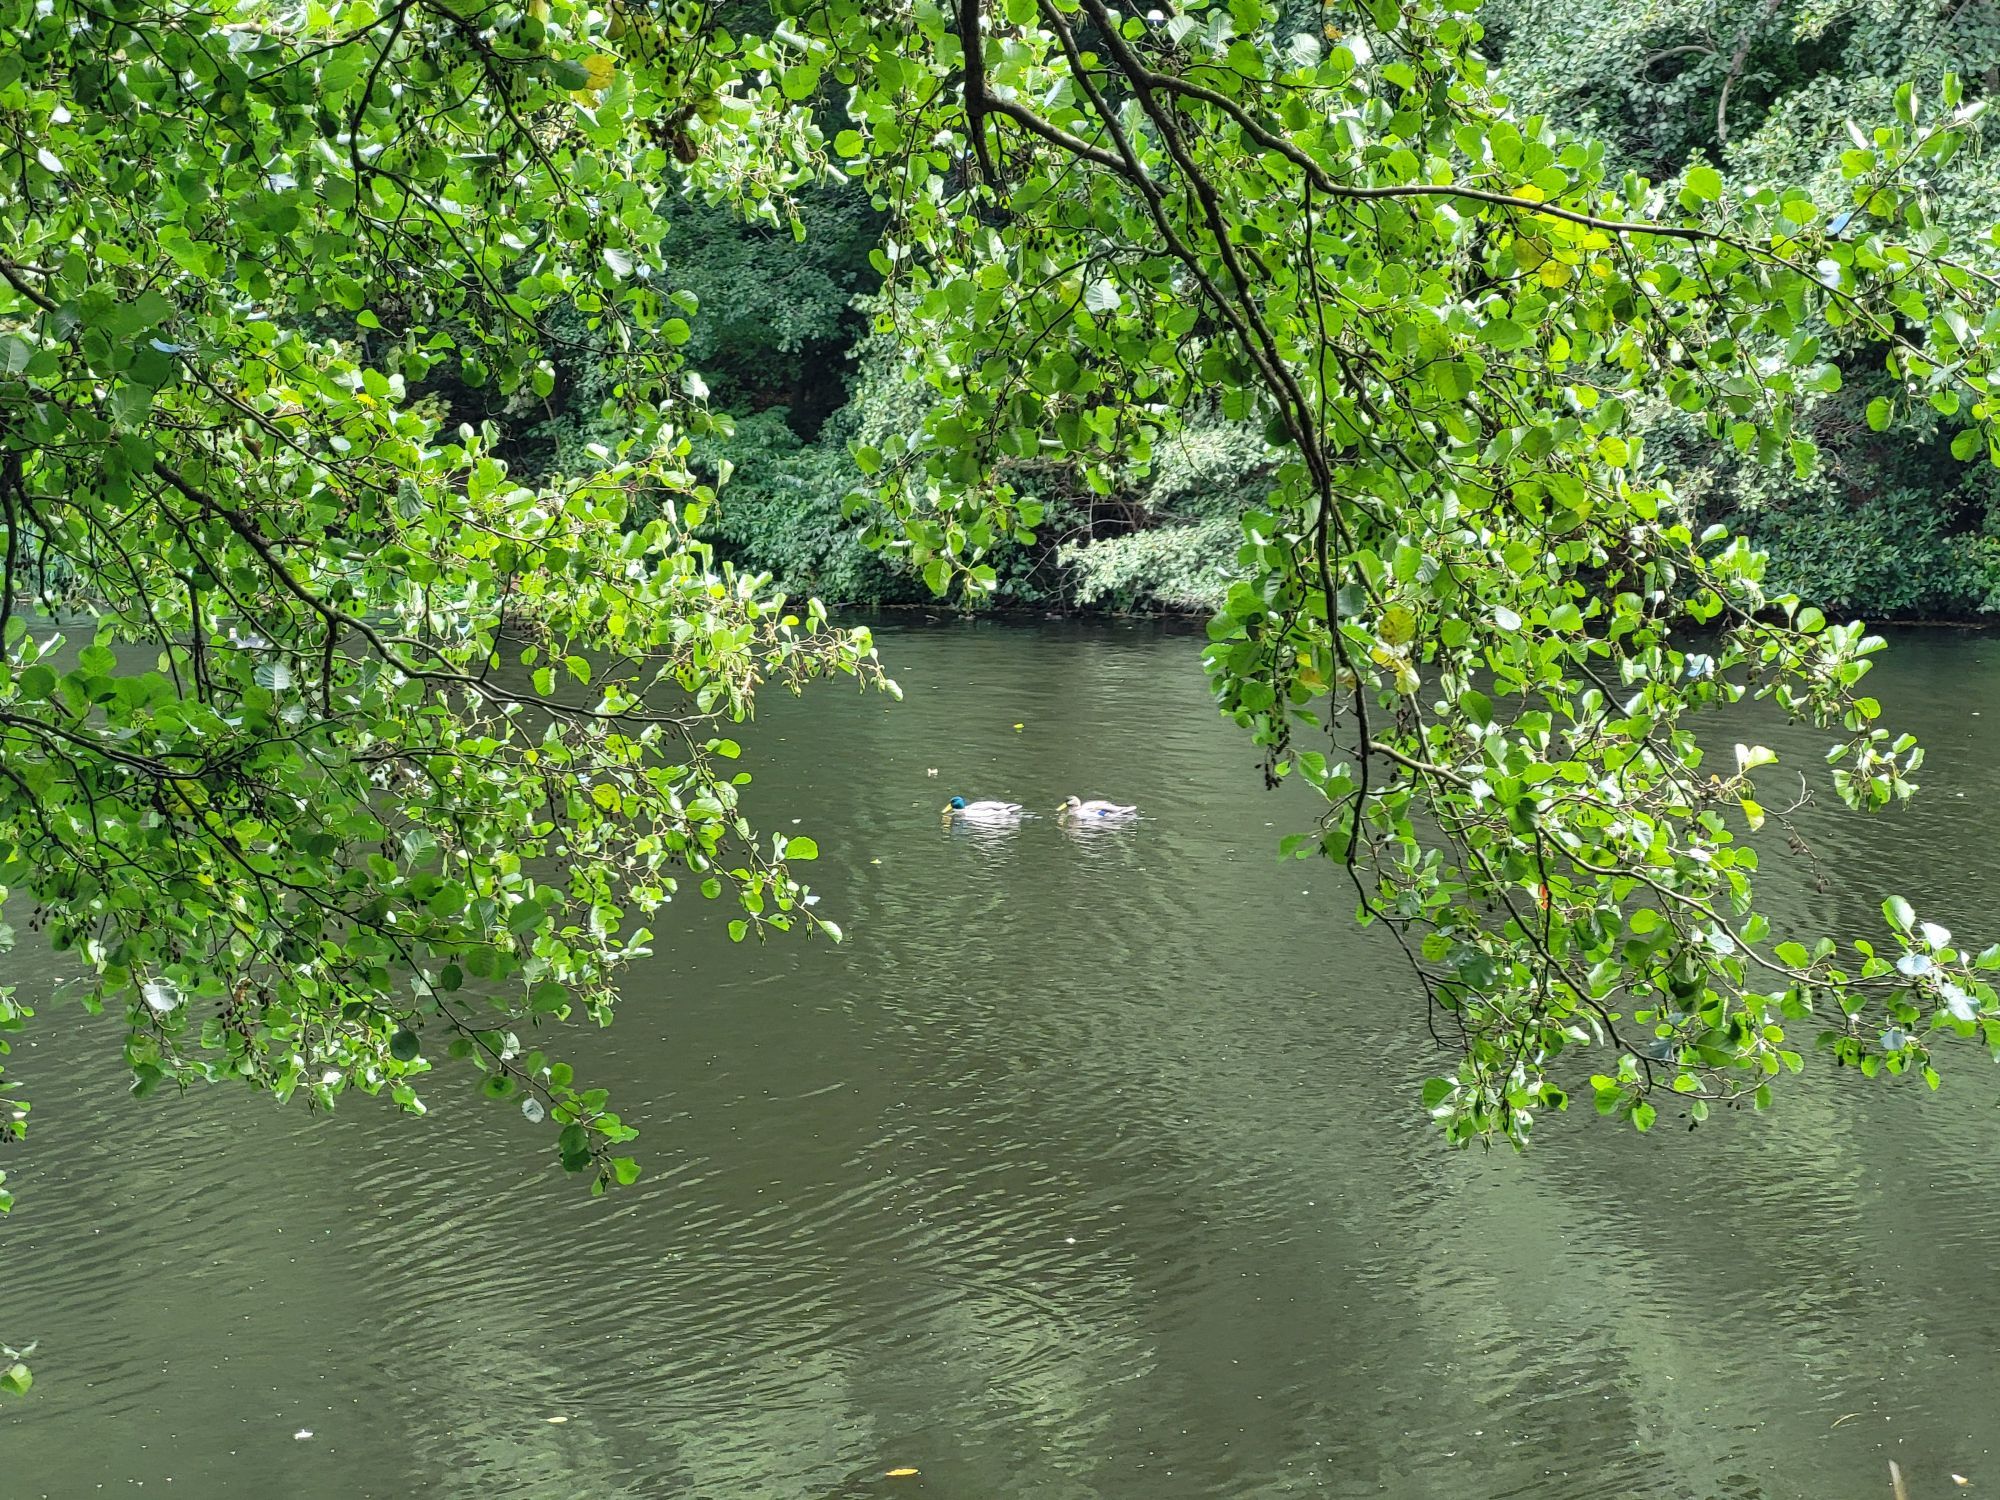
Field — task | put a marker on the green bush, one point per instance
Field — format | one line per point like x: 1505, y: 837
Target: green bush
x: 1888, y: 524
x: 780, y: 512
x: 1170, y: 568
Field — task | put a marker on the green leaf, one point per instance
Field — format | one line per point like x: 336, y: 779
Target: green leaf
x: 1703, y: 184
x: 130, y: 404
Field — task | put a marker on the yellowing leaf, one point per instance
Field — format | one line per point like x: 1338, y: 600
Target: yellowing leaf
x: 1399, y: 625
x: 1754, y: 813
x: 904, y: 1473
x: 602, y: 68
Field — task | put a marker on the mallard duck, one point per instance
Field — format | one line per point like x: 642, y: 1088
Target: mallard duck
x: 1095, y: 811
x: 983, y: 812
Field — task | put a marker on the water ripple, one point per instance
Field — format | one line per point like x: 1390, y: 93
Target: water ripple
x: 1087, y: 1167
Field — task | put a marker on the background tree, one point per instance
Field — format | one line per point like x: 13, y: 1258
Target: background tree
x: 1889, y: 522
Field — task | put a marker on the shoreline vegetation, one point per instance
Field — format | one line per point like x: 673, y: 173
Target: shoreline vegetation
x: 1889, y: 526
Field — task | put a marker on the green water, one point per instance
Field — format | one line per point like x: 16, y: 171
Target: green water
x: 1090, y: 1165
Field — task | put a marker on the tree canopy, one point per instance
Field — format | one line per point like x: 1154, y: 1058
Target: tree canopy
x: 369, y: 749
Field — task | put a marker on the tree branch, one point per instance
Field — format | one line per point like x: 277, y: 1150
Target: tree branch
x: 1743, y: 44
x: 13, y: 274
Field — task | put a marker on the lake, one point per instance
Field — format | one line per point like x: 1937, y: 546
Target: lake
x: 1091, y: 1165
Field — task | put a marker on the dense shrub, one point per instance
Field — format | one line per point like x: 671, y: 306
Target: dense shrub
x: 1887, y: 524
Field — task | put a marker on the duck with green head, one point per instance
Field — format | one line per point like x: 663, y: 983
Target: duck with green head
x: 959, y: 810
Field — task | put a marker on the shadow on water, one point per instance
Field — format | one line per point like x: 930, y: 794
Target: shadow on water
x: 1090, y: 1165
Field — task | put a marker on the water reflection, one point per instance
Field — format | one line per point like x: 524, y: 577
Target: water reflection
x: 982, y: 835
x: 1092, y: 828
